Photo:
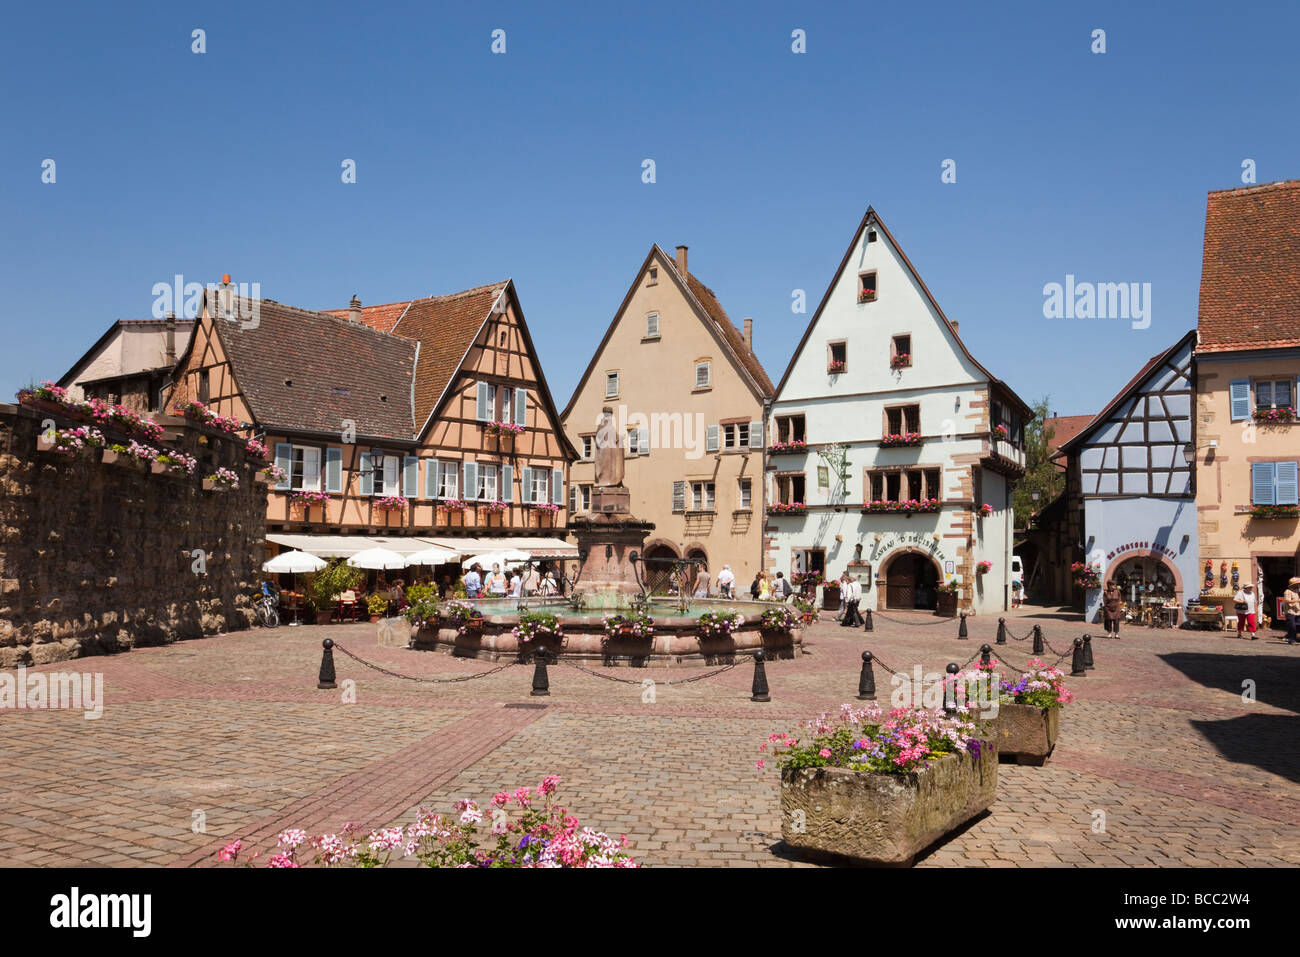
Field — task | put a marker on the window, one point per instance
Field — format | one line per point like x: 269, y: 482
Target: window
x: 611, y: 385
x: 203, y: 387
x: 867, y: 287
x: 790, y: 428
x: 652, y: 326
x: 900, y: 352
x: 507, y: 402
x: 447, y: 479
x: 579, y: 498
x: 837, y: 357
x: 746, y: 497
x: 633, y: 446
x: 735, y: 435
x: 896, y: 485
x: 903, y: 418
x: 487, y: 483
x: 790, y: 489
x: 654, y: 276
x: 1274, y: 483
x: 703, y: 373
x: 539, y: 485
x: 1273, y: 394
x: 588, y: 441
x: 701, y: 496
x: 679, y: 496
x: 388, y: 474
x: 305, y: 473
x: 485, y: 402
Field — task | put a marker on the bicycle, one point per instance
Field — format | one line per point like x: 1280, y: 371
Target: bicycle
x: 268, y: 616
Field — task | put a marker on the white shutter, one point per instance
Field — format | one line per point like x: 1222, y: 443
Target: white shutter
x: 643, y: 441
x: 711, y: 438
x: 391, y: 484
x: 679, y: 496
x: 1262, y: 483
x: 528, y: 485
x: 410, y: 476
x: 333, y: 470
x: 557, y: 486
x: 521, y: 407
x: 471, y: 482
x: 1287, y: 483
x: 284, y: 460
x: 756, y: 435
x: 1239, y: 399
x: 432, y: 477
x: 507, y: 483
x: 367, y: 475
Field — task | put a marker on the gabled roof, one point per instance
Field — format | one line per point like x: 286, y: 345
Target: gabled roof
x: 1147, y: 371
x: 308, y: 371
x: 183, y: 328
x: 1064, y: 428
x: 382, y: 317
x: 1250, y: 273
x: 872, y: 217
x: 702, y: 299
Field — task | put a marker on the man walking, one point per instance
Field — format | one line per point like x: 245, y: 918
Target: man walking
x: 783, y: 589
x: 852, y: 593
x: 1291, y: 605
x: 726, y: 581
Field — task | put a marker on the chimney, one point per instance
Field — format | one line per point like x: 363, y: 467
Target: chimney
x: 749, y: 334
x: 956, y: 330
x: 354, y: 309
x: 681, y: 261
x: 171, y: 339
x: 226, y: 296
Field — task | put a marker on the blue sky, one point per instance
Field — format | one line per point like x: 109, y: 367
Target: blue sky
x: 472, y: 167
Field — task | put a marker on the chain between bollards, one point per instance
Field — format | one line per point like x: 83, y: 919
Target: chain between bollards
x: 759, y: 690
x: 327, y: 676
x: 541, y: 680
x: 961, y: 630
x: 1002, y: 632
x: 867, y: 680
x: 1087, y: 653
x: 1077, y: 667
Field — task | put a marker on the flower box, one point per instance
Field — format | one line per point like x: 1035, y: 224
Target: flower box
x: 782, y: 508
x: 787, y: 448
x: 900, y: 361
x: 867, y: 295
x: 875, y: 818
x: 905, y: 507
x: 212, y: 485
x: 945, y: 603
x: 1274, y: 511
x: 1026, y: 734
x: 1274, y: 416
x: 835, y: 368
x: 895, y: 439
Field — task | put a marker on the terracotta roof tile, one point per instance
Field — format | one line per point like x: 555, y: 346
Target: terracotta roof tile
x: 1064, y: 428
x: 381, y: 317
x: 735, y: 338
x: 1250, y: 274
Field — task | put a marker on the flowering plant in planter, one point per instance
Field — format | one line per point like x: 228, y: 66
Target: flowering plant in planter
x: 225, y: 478
x: 464, y: 616
x: 637, y: 624
x: 949, y: 587
x: 274, y: 473
x: 544, y: 835
x: 536, y: 624
x: 127, y: 420
x: 804, y: 606
x: 900, y: 360
x: 141, y: 453
x: 1085, y: 576
x: 718, y: 624
x: 422, y: 610
x: 255, y: 450
x: 787, y: 508
x: 835, y: 366
x: 503, y: 428
x: 1001, y: 431
x: 391, y: 503
x: 1274, y: 511
x: 868, y: 739
x: 198, y: 412
x: 794, y: 445
x: 451, y: 505
x: 891, y: 439
x: 1284, y: 414
x: 74, y: 440
x: 308, y: 497
x: 781, y: 618
x: 496, y: 507
x: 177, y: 462
x: 807, y: 578
x: 47, y: 391
x: 866, y: 295
x: 983, y: 567
x: 986, y: 510
x: 544, y: 507
x: 907, y: 505
x: 1039, y: 687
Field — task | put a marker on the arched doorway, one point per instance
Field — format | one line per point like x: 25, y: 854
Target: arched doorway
x: 660, y: 568
x: 911, y: 579
x: 697, y: 555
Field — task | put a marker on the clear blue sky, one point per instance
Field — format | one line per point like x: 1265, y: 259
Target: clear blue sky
x: 472, y: 167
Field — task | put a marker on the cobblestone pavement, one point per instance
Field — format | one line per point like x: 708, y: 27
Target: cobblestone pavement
x: 204, y: 741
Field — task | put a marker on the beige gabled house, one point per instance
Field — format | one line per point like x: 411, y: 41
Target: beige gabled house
x: 687, y: 394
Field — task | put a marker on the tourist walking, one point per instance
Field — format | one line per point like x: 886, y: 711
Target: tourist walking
x: 548, y: 587
x: 516, y: 584
x: 757, y: 587
x: 1112, y: 608
x: 1244, y: 606
x: 764, y: 588
x: 726, y: 581
x: 702, y: 583
x: 474, y: 582
x: 852, y: 593
x: 783, y: 589
x: 1291, y: 606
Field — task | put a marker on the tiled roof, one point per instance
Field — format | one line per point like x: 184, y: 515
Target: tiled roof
x: 1250, y: 274
x: 309, y: 371
x: 445, y: 327
x: 382, y: 317
x: 735, y: 338
x: 1064, y: 428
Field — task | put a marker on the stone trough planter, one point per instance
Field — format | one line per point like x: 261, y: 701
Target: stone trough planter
x: 1026, y: 734
x: 883, y: 819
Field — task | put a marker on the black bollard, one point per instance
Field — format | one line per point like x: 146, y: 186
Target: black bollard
x: 759, y: 690
x: 985, y: 657
x: 950, y: 689
x: 869, y: 626
x: 961, y: 630
x: 1077, y: 668
x: 327, y: 665
x: 541, y: 680
x: 1038, y: 640
x: 1002, y: 631
x: 867, y: 680
x: 1087, y: 653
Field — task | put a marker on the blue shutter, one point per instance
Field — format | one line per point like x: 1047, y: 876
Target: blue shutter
x: 284, y: 459
x: 521, y: 407
x: 1262, y: 476
x: 507, y: 483
x: 1287, y: 483
x: 481, y: 402
x: 471, y: 482
x: 333, y: 470
x: 528, y: 486
x: 431, y: 469
x: 410, y: 476
x: 557, y: 486
x: 367, y: 475
x: 1239, y: 399
x: 756, y: 435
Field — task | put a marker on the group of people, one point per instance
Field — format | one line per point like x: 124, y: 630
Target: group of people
x: 763, y: 588
x: 1245, y: 605
x: 777, y: 588
x: 499, y: 584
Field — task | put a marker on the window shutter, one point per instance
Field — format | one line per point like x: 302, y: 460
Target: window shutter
x: 284, y: 460
x: 334, y: 470
x: 557, y: 486
x: 679, y: 496
x: 507, y: 483
x: 410, y: 476
x: 1262, y: 476
x: 471, y: 482
x: 643, y: 441
x: 432, y: 477
x: 756, y: 435
x: 1287, y: 484
x: 481, y: 403
x: 367, y: 475
x: 1239, y: 399
x: 573, y: 498
x: 521, y: 407
x: 711, y: 438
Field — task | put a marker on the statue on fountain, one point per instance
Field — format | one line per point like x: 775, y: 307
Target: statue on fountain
x: 609, y: 496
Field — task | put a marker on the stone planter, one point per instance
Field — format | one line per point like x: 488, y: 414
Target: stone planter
x: 211, y: 485
x: 1025, y: 734
x: 121, y: 460
x: 883, y: 819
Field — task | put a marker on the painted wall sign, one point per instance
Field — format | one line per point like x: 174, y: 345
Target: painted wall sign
x: 1150, y: 547
x: 922, y: 541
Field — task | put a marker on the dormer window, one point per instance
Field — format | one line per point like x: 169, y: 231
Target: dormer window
x: 867, y: 287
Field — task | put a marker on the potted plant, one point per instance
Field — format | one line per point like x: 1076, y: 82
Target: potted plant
x: 464, y: 617
x: 327, y: 584
x: 376, y: 606
x: 534, y: 626
x: 786, y: 448
x: 986, y: 510
x: 1274, y: 416
x: 983, y: 567
x: 835, y: 366
x: 221, y: 480
x: 72, y: 441
x: 633, y: 625
x: 807, y: 610
x: 891, y: 439
x: 787, y: 508
x: 900, y: 360
x: 1029, y: 713
x: 880, y: 787
x: 779, y: 620
x: 831, y: 596
x: 719, y: 624
x: 391, y: 503
x: 1085, y: 575
x: 946, y: 601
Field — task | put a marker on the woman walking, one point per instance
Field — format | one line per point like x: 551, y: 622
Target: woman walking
x: 1112, y: 610
x: 1244, y: 606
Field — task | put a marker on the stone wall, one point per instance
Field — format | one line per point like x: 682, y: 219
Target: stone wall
x: 96, y: 558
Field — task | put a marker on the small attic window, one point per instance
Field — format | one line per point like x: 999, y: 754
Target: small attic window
x: 871, y: 235
x: 654, y: 276
x: 867, y: 287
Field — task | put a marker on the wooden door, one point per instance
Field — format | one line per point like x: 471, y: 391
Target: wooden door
x: 900, y: 583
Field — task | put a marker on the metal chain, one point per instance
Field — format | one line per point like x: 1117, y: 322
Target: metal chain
x: 394, y: 674
x: 637, y: 681
x: 923, y: 624
x: 877, y: 661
